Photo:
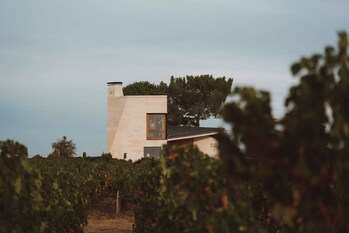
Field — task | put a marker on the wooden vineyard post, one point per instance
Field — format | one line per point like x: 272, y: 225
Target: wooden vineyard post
x: 117, y: 204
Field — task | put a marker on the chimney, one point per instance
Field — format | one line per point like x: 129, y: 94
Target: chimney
x: 115, y: 89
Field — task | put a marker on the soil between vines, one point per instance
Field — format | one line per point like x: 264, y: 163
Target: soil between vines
x: 101, y: 218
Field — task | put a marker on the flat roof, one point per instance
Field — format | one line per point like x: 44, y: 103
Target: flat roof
x: 114, y: 83
x: 183, y: 132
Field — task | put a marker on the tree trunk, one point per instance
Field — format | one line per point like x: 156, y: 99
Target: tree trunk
x: 117, y: 204
x: 197, y: 121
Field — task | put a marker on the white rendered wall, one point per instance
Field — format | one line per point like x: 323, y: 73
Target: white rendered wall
x: 207, y: 145
x: 127, y: 116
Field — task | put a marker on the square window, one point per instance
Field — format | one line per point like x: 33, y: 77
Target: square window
x: 152, y: 152
x: 156, y: 126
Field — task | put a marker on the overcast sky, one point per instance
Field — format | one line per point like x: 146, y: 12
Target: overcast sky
x: 57, y: 55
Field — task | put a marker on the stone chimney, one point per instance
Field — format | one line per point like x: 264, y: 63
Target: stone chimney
x: 115, y: 89
x: 115, y: 109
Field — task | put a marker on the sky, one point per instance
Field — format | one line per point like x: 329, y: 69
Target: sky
x: 57, y: 56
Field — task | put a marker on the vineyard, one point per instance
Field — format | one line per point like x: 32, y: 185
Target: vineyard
x: 58, y: 192
x: 55, y: 194
x: 287, y: 175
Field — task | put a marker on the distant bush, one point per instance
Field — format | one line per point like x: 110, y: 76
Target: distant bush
x: 63, y: 148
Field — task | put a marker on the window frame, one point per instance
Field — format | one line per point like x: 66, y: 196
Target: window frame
x: 148, y: 127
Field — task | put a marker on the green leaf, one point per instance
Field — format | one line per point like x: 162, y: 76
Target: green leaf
x: 18, y: 185
x: 193, y: 206
x: 295, y: 68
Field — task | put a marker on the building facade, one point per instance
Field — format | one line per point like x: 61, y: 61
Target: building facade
x: 136, y: 127
x: 136, y: 124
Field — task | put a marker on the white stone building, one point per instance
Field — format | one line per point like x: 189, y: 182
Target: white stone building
x: 137, y: 127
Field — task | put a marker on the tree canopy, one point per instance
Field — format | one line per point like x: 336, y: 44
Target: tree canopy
x: 195, y: 98
x: 190, y: 99
x: 63, y: 148
x: 145, y: 88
